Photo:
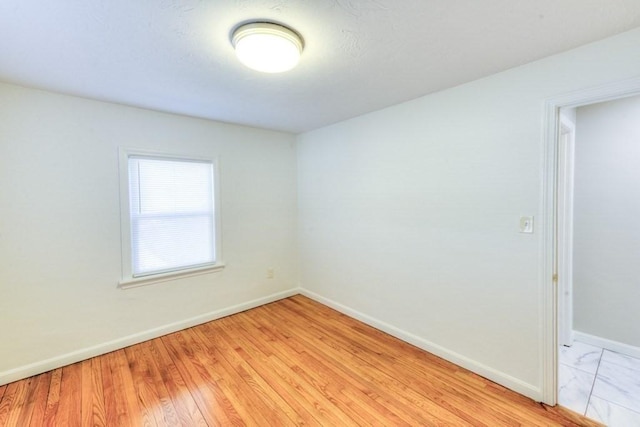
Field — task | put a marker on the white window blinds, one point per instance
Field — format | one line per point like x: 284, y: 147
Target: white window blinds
x: 171, y: 214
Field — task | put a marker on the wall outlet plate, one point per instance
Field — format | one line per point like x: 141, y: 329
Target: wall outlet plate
x: 526, y: 224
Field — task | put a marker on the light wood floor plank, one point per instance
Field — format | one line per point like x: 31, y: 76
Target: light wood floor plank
x: 281, y: 380
x: 470, y: 394
x: 350, y: 368
x: 358, y: 393
x: 14, y: 402
x: 93, y: 409
x: 109, y: 392
x: 205, y: 388
x: 69, y: 407
x: 147, y: 394
x: 128, y: 410
x: 238, y: 384
x: 386, y: 359
x: 53, y: 398
x: 233, y: 351
x: 156, y: 382
x: 27, y: 403
x: 472, y: 388
x: 186, y: 408
x: 292, y: 362
x: 273, y: 369
x: 40, y: 400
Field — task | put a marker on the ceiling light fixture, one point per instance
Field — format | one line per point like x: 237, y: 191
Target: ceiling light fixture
x: 267, y: 47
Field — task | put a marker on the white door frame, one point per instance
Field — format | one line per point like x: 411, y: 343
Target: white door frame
x: 564, y: 230
x: 551, y: 245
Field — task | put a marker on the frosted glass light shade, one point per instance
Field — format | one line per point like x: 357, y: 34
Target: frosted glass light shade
x: 267, y: 47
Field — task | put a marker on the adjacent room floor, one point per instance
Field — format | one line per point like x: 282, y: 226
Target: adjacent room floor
x: 601, y: 384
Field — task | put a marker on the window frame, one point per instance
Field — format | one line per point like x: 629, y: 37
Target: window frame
x: 128, y: 280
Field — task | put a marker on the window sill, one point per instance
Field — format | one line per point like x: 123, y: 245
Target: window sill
x: 164, y: 277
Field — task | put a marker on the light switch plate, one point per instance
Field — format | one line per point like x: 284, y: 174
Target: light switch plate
x: 526, y: 224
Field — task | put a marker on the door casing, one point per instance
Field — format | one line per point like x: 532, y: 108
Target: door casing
x: 552, y: 245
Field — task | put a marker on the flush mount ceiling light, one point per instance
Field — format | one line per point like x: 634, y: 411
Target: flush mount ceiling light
x: 267, y: 47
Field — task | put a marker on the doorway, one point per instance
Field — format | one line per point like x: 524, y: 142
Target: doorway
x: 558, y: 239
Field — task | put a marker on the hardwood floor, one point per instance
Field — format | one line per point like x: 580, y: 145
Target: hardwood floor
x: 292, y: 362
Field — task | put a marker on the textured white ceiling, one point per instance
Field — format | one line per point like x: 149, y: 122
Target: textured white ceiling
x: 360, y: 55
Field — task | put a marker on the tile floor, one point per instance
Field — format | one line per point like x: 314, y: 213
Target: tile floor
x: 601, y: 384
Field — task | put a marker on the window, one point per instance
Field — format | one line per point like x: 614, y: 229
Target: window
x: 169, y: 218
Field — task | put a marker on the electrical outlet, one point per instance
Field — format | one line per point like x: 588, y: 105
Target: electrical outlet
x: 526, y: 224
x: 270, y: 273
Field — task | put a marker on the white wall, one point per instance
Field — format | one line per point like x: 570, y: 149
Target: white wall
x: 60, y: 226
x: 606, y: 221
x: 408, y: 217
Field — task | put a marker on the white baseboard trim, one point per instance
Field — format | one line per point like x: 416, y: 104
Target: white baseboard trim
x: 618, y: 347
x: 106, y: 347
x: 492, y: 374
